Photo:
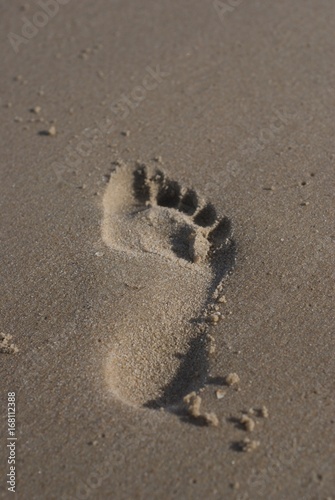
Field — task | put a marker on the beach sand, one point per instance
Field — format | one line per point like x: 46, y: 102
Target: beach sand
x: 167, y: 249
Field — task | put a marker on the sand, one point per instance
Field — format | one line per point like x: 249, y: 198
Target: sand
x: 167, y: 230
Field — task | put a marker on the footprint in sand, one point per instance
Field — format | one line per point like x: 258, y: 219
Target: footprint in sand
x: 174, y: 247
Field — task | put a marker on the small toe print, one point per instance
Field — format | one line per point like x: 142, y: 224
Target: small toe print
x: 169, y: 194
x: 140, y: 186
x: 206, y: 216
x: 189, y: 202
x: 221, y: 232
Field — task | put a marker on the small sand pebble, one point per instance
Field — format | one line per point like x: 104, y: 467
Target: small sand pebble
x: 232, y: 378
x: 6, y: 347
x: 99, y: 254
x: 214, y: 318
x: 248, y: 423
x: 36, y: 110
x: 222, y: 299
x: 93, y: 443
x: 125, y: 133
x: 52, y: 131
x: 220, y: 394
x: 193, y: 403
x: 264, y: 412
x: 235, y: 485
x: 248, y: 445
x: 211, y: 419
x: 212, y: 349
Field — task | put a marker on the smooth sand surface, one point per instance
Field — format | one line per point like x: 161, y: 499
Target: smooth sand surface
x: 107, y: 288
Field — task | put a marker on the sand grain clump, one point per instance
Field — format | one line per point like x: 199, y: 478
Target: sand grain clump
x: 6, y: 346
x: 248, y: 423
x: 220, y: 394
x: 52, y: 131
x: 193, y: 404
x: 249, y: 445
x: 232, y: 379
x: 264, y: 412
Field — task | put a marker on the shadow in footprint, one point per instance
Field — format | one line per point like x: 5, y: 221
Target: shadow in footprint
x: 216, y: 381
x: 237, y: 423
x: 237, y: 446
x: 206, y: 216
x: 188, y: 202
x: 140, y: 187
x: 180, y: 243
x: 191, y: 376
